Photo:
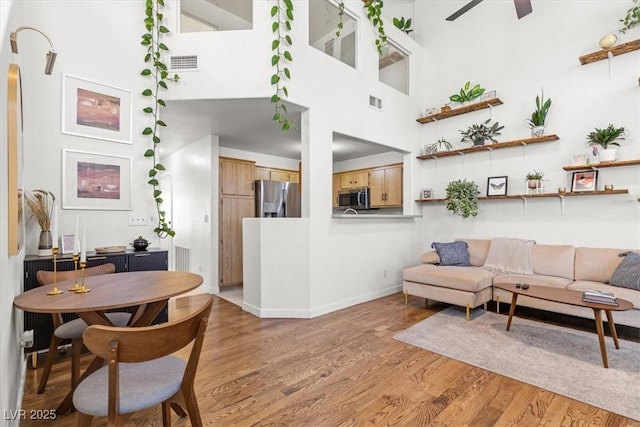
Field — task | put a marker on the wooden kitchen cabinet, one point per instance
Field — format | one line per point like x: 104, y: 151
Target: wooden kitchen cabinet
x: 236, y: 177
x: 236, y: 202
x: 386, y: 186
x: 355, y: 179
x: 274, y: 174
x: 336, y: 190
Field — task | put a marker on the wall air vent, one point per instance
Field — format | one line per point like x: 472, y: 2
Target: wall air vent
x: 184, y: 63
x: 375, y: 102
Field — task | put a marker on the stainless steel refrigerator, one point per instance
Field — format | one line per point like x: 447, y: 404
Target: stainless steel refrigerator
x: 277, y: 199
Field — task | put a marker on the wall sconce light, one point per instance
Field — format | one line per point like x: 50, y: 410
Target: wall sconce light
x: 51, y: 55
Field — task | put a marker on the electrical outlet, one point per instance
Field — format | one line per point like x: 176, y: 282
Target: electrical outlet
x: 137, y: 219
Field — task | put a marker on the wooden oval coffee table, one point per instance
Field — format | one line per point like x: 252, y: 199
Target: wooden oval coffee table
x: 571, y: 297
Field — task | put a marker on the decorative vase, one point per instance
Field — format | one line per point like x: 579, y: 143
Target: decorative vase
x: 45, y: 243
x: 608, y: 155
x: 478, y: 142
x: 537, y: 131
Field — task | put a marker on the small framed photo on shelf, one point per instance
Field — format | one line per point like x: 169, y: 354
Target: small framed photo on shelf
x: 584, y: 181
x: 67, y: 243
x: 488, y: 95
x: 431, y: 111
x: 427, y: 193
x: 580, y: 159
x: 497, y: 186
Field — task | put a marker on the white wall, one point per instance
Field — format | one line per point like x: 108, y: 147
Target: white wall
x: 517, y: 58
x: 194, y: 172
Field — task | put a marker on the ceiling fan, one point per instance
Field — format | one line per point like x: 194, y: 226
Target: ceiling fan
x: 523, y: 8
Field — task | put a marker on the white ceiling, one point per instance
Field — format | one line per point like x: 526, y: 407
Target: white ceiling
x: 246, y: 124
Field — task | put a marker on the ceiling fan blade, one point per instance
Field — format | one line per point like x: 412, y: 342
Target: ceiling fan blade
x: 523, y: 7
x: 463, y: 10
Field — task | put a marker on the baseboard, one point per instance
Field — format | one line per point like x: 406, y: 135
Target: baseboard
x: 318, y: 311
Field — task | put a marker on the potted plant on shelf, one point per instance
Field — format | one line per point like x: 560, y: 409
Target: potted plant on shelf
x: 402, y: 24
x: 437, y: 146
x: 534, y: 180
x: 467, y: 93
x: 40, y: 207
x: 462, y: 198
x: 537, y: 122
x: 603, y: 142
x: 480, y: 133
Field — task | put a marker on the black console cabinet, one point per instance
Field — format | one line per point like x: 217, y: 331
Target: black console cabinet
x: 41, y: 323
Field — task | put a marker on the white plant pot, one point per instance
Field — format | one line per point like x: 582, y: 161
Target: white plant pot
x: 608, y: 155
x: 537, y: 131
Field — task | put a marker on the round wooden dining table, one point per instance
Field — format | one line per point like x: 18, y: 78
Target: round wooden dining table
x: 146, y: 291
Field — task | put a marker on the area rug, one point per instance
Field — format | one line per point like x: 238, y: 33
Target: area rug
x: 555, y: 358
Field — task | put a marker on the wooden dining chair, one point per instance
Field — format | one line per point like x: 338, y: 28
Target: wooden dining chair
x: 72, y: 329
x: 141, y: 371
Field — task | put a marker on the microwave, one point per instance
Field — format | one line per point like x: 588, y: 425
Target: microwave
x: 358, y: 198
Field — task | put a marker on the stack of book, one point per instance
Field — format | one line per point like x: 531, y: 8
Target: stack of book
x: 599, y: 297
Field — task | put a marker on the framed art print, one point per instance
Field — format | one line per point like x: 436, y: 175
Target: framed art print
x: 95, y: 181
x: 95, y: 110
x: 497, y: 186
x: 584, y: 181
x: 427, y: 193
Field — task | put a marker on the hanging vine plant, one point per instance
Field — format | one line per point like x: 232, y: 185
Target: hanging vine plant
x: 159, y: 74
x: 340, y: 17
x: 374, y: 13
x: 281, y: 15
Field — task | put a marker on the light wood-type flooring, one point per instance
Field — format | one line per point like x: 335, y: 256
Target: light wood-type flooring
x: 341, y: 369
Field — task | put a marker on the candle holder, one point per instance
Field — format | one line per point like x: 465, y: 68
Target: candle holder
x: 75, y: 286
x: 55, y: 290
x: 83, y: 289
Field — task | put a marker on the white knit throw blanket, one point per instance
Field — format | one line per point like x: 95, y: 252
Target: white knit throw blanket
x: 509, y: 255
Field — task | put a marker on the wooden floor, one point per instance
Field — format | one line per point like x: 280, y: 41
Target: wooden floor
x: 341, y: 369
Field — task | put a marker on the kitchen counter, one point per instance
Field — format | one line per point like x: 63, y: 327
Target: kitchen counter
x: 373, y: 216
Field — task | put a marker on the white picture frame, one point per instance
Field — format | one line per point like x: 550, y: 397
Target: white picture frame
x: 67, y: 243
x: 95, y: 110
x: 95, y: 181
x: 487, y: 96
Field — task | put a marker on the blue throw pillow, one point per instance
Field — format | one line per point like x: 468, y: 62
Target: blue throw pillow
x: 627, y: 273
x: 454, y: 253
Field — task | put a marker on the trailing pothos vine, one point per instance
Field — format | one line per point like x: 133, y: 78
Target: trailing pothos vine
x: 374, y: 13
x: 282, y: 15
x: 340, y: 17
x: 158, y: 72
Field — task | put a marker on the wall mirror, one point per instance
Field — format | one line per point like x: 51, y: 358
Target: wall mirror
x: 15, y: 217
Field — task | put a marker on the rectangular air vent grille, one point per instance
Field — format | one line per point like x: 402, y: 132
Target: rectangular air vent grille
x: 375, y: 102
x: 184, y: 62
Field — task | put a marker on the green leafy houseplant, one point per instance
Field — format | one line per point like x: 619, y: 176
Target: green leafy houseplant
x: 158, y: 72
x: 374, y: 13
x: 539, y: 115
x: 402, y: 24
x: 467, y: 93
x: 340, y: 17
x: 281, y: 15
x: 437, y: 146
x: 606, y: 137
x: 462, y: 198
x: 631, y: 18
x: 534, y: 176
x: 480, y: 133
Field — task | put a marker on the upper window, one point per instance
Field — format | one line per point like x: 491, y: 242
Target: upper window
x: 394, y: 67
x: 215, y: 15
x: 325, y: 34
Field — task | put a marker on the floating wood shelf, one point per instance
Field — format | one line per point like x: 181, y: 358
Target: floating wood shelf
x: 461, y: 110
x: 489, y: 147
x: 615, y: 51
x: 603, y: 165
x: 538, y: 196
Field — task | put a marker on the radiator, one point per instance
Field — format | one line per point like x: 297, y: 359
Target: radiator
x: 183, y: 258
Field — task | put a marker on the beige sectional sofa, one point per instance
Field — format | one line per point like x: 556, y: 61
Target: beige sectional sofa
x: 561, y: 266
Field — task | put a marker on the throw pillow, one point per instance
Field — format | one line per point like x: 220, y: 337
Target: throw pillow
x: 627, y: 273
x: 454, y: 253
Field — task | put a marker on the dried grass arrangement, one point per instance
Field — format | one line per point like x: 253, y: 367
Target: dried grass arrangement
x: 40, y: 207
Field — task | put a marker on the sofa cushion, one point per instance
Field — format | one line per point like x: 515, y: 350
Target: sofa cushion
x: 596, y: 264
x: 553, y: 260
x: 430, y: 257
x: 470, y: 279
x: 627, y: 273
x: 478, y: 250
x: 454, y: 253
x: 624, y: 293
x: 533, y: 279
